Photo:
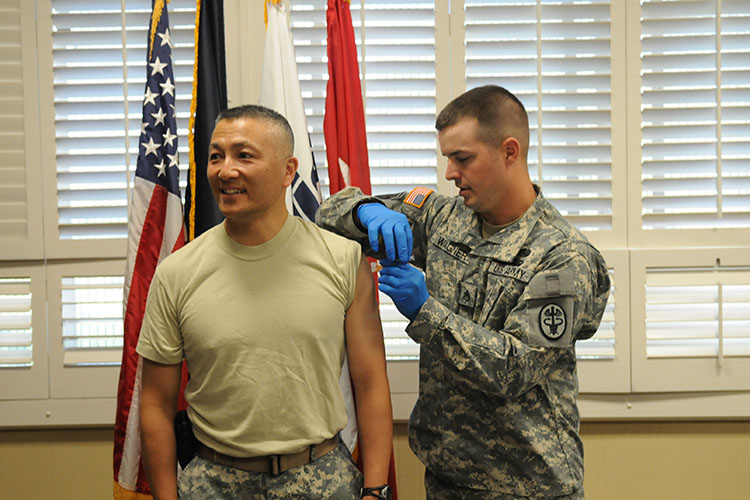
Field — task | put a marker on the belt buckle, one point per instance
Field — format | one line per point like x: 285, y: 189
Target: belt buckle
x: 274, y: 464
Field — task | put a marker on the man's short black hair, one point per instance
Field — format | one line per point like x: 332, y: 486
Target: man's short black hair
x: 499, y: 114
x: 258, y: 112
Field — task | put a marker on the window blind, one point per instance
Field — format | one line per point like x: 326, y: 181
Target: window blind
x: 16, y: 347
x: 555, y: 56
x: 398, y: 344
x: 396, y: 47
x: 603, y: 344
x: 13, y: 189
x: 695, y: 93
x: 698, y: 312
x: 92, y: 321
x: 99, y: 68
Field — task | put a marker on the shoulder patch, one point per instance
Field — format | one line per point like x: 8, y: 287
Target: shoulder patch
x: 552, y: 321
x: 417, y: 196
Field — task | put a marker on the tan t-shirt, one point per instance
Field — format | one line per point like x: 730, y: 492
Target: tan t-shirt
x: 262, y: 330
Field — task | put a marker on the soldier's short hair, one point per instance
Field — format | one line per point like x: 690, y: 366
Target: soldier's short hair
x: 499, y: 114
x: 258, y: 112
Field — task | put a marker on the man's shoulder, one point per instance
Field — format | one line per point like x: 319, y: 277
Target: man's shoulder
x: 188, y: 253
x: 553, y: 220
x: 329, y: 238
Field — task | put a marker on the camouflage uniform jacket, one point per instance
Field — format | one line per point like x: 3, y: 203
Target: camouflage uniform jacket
x: 497, y: 380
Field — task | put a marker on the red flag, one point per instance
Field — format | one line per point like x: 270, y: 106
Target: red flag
x: 344, y: 121
x: 155, y: 229
x: 344, y: 125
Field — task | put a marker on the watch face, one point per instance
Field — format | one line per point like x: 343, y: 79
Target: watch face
x: 386, y: 492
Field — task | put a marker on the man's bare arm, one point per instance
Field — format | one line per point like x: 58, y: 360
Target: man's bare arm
x: 366, y: 354
x: 160, y: 388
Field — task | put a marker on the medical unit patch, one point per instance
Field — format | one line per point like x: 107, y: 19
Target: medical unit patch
x: 552, y: 321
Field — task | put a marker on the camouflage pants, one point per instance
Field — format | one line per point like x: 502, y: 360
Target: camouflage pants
x: 439, y: 490
x: 332, y: 476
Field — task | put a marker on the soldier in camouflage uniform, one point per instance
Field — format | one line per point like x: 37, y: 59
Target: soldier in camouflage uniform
x: 508, y: 287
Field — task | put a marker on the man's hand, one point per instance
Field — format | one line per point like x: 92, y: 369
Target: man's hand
x: 404, y: 284
x: 392, y: 226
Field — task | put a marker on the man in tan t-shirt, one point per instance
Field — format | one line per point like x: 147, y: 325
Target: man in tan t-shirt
x: 263, y: 308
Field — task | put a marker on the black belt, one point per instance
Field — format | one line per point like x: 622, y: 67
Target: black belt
x: 270, y: 464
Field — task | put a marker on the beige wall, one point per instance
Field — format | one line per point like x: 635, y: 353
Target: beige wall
x: 628, y: 461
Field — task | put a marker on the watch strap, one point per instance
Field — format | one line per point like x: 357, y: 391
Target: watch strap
x: 376, y: 491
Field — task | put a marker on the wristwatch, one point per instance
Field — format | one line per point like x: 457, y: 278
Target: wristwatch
x: 382, y: 492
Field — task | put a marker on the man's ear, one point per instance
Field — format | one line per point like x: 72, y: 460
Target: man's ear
x: 291, y: 168
x: 510, y: 149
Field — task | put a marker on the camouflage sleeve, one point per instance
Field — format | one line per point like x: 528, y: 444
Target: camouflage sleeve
x: 338, y: 214
x: 520, y: 356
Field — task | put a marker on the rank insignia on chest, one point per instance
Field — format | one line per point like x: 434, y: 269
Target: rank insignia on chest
x: 467, y: 295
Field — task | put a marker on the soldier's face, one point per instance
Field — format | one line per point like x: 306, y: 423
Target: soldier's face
x: 248, y: 169
x: 476, y: 168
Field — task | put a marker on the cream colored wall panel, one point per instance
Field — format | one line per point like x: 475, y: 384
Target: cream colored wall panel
x: 624, y: 461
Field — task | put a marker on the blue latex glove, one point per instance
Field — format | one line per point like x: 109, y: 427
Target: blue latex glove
x: 404, y: 284
x: 391, y: 225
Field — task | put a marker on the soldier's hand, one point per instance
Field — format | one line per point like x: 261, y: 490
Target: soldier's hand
x: 404, y: 284
x: 391, y: 225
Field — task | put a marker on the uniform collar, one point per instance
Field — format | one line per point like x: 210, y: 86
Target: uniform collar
x: 506, y: 243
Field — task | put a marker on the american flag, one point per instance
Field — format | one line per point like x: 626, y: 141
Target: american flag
x: 155, y: 229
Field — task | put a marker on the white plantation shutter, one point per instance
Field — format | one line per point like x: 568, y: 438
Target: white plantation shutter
x: 695, y: 123
x: 12, y: 160
x: 398, y: 43
x: 86, y: 322
x: 92, y: 320
x: 698, y: 312
x: 20, y: 190
x: 96, y: 127
x: 695, y: 321
x: 23, y: 352
x: 555, y: 56
x: 398, y: 345
x: 604, y: 359
x: 701, y: 320
x: 672, y: 78
x: 16, y: 346
x: 602, y: 345
x: 398, y: 80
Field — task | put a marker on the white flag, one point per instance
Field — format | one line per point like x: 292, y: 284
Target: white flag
x: 280, y: 91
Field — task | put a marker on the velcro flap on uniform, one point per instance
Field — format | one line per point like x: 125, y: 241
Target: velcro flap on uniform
x: 549, y: 308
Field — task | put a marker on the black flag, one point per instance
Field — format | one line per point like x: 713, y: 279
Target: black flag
x: 209, y: 97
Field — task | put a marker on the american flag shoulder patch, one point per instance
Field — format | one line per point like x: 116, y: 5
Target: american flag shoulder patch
x: 417, y: 196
